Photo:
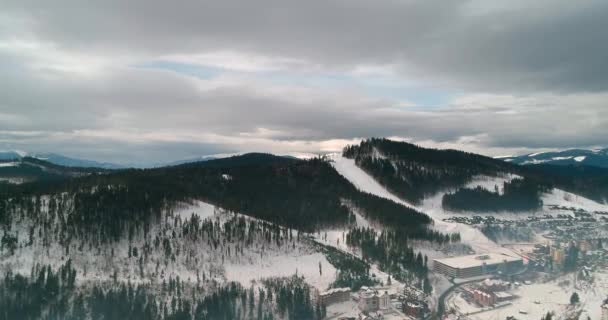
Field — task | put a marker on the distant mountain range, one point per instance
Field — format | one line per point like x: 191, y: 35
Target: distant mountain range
x: 58, y: 159
x: 595, y: 158
x: 65, y: 161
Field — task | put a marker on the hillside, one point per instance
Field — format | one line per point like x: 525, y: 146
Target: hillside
x: 572, y: 157
x: 28, y: 169
x: 415, y: 174
x: 207, y: 228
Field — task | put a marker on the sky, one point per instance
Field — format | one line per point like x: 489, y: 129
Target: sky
x: 152, y: 81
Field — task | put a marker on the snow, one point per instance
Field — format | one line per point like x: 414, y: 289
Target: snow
x: 561, y: 158
x: 345, y: 309
x: 539, y: 298
x: 534, y: 161
x: 285, y: 265
x: 12, y: 180
x: 476, y: 260
x: 200, y: 208
x: 8, y: 164
x: 567, y: 199
x: 534, y: 154
x: 364, y: 182
x: 360, y: 179
x: 192, y: 258
x: 580, y: 158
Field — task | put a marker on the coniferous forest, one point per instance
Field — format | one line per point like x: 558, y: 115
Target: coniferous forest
x: 518, y: 195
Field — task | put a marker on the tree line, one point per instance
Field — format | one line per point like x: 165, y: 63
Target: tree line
x: 518, y: 195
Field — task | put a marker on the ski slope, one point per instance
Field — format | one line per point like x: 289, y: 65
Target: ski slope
x: 364, y: 182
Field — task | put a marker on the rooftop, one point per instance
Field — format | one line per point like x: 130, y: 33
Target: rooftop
x: 477, y: 260
x: 335, y: 290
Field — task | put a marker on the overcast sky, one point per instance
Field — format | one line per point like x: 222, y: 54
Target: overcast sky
x: 147, y: 81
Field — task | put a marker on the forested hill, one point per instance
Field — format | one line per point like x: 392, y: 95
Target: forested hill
x: 588, y: 181
x: 413, y: 172
x: 302, y: 194
x: 28, y: 169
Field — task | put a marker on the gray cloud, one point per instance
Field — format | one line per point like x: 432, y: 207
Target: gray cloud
x: 475, y: 45
x: 70, y: 83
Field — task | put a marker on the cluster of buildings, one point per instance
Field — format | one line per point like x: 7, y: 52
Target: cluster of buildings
x: 371, y: 300
x: 477, y: 265
x: 550, y: 258
x: 374, y: 304
x: 492, y: 292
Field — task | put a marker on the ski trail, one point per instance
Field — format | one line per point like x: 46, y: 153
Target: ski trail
x: 364, y: 182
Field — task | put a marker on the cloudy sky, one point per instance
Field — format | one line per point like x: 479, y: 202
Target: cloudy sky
x: 147, y: 80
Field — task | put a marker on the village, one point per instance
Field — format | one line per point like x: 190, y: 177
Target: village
x: 561, y: 268
x: 374, y: 303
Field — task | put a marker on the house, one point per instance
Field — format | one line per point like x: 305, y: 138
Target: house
x: 413, y: 309
x: 384, y: 301
x: 368, y: 301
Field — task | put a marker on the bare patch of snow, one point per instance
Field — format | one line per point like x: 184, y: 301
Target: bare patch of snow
x: 8, y: 164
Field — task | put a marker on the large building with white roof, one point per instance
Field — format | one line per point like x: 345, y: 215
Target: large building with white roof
x: 476, y: 265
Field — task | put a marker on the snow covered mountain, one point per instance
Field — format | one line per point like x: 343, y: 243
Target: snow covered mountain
x: 596, y: 158
x: 185, y: 239
x: 74, y: 162
x: 29, y: 169
x: 58, y: 159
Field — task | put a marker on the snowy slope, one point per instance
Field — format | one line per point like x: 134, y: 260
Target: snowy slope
x: 364, y: 182
x: 191, y: 259
x: 596, y: 158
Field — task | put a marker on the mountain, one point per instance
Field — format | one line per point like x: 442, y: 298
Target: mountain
x: 29, y: 169
x: 158, y: 242
x: 74, y: 162
x: 11, y: 155
x: 596, y: 158
x: 415, y: 174
x: 217, y: 239
x: 59, y: 159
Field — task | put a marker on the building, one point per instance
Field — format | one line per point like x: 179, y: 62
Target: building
x: 584, y: 245
x: 369, y: 301
x: 476, y: 265
x: 557, y: 255
x: 484, y: 298
x: 413, y: 309
x: 384, y: 301
x: 334, y: 296
x: 502, y: 296
x: 495, y: 285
